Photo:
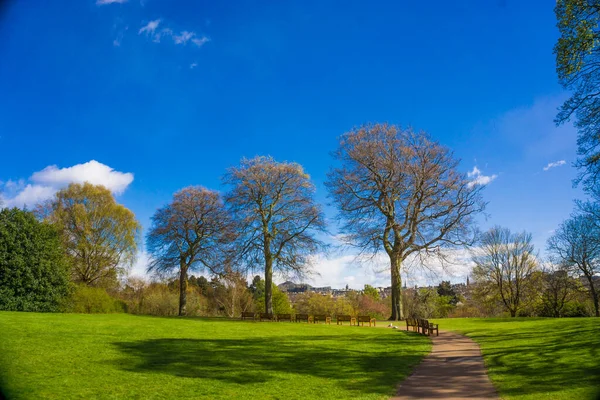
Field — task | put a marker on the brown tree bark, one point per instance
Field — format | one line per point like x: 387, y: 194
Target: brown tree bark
x: 397, y: 311
x: 183, y: 289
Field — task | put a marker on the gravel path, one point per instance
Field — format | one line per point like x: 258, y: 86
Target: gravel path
x: 453, y: 370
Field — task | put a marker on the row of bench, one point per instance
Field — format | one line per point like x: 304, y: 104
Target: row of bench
x: 340, y: 319
x: 422, y: 326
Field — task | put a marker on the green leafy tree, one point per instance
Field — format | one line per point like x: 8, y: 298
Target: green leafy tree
x: 371, y: 292
x: 99, y: 235
x: 34, y: 272
x: 281, y: 302
x: 445, y: 289
x: 578, y: 67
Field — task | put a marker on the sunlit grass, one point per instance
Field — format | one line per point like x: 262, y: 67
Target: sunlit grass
x: 119, y: 356
x: 538, y: 358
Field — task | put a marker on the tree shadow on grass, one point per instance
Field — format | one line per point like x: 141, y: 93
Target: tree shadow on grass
x: 543, y: 361
x: 337, y: 358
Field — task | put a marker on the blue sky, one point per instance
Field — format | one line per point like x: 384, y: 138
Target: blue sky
x: 163, y: 94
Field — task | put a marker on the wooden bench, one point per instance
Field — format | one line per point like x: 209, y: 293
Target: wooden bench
x: 433, y: 327
x: 322, y: 317
x: 411, y: 323
x: 302, y: 317
x: 423, y: 326
x: 340, y: 319
x: 266, y: 316
x: 284, y: 317
x: 248, y: 315
x: 365, y: 318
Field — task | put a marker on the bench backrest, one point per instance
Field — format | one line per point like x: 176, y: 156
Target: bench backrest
x: 264, y: 315
x: 320, y: 317
x: 246, y: 314
x: 284, y: 316
x: 302, y: 317
x: 344, y: 317
x: 363, y: 318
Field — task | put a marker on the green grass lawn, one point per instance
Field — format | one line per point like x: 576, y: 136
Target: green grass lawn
x: 531, y: 358
x: 119, y: 356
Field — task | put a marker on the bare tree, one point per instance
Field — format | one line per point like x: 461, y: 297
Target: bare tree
x: 577, y: 244
x: 506, y: 262
x: 232, y: 293
x: 277, y: 216
x: 400, y: 191
x: 558, y: 289
x: 192, y: 232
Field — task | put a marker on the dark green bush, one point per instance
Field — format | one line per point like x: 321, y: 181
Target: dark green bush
x: 34, y: 273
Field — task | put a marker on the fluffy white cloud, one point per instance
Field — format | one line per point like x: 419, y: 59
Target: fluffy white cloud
x: 92, y: 172
x: 477, y: 177
x: 43, y: 184
x: 554, y: 164
x: 193, y: 65
x: 103, y: 2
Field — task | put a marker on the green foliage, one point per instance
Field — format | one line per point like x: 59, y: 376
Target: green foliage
x: 99, y: 235
x: 281, y: 302
x: 371, y: 292
x: 34, y: 274
x: 92, y: 300
x: 577, y: 64
x: 445, y: 289
x: 530, y: 359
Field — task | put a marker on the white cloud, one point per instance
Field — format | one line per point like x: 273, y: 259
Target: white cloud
x: 183, y: 37
x: 478, y: 178
x: 30, y: 196
x: 200, y: 41
x: 43, y: 184
x: 346, y: 269
x: 193, y: 65
x: 103, y: 2
x: 92, y: 172
x: 554, y: 164
x: 149, y: 28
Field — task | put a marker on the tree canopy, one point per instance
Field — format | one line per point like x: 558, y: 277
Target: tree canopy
x: 576, y: 245
x: 191, y: 233
x: 273, y: 206
x: 578, y: 67
x: 401, y: 192
x: 99, y: 235
x: 504, y: 265
x: 34, y: 273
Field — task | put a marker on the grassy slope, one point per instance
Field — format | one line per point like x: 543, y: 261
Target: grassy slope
x: 538, y: 358
x: 66, y: 356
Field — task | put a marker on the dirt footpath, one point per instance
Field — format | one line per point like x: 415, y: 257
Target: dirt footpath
x: 453, y: 370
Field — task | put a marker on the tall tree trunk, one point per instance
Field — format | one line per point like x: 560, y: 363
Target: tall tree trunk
x: 182, y: 288
x: 590, y: 279
x: 397, y: 312
x: 268, y: 283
